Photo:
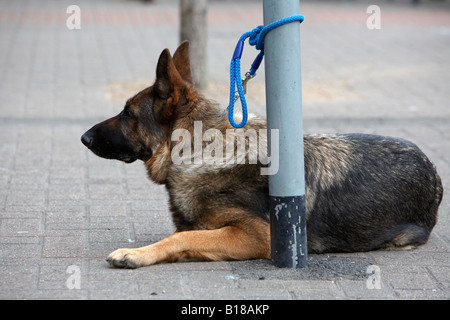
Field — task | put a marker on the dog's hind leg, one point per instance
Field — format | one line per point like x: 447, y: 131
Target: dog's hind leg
x: 234, y: 242
x: 408, y: 237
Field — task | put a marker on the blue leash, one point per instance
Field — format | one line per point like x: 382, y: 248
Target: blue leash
x: 256, y: 39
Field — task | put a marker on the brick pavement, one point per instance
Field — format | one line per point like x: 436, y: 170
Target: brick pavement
x: 61, y: 206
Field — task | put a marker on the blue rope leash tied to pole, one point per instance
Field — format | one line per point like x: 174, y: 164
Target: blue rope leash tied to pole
x: 256, y: 39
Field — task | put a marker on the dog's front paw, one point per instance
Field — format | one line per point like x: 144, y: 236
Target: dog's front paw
x: 128, y: 258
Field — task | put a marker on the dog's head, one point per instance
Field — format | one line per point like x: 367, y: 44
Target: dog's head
x: 146, y: 119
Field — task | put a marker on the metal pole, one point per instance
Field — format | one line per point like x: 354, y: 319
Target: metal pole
x: 284, y: 113
x: 193, y: 27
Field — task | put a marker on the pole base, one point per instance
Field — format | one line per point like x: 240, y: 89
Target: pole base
x: 288, y: 232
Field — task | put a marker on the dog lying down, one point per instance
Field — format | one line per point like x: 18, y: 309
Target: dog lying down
x: 363, y: 192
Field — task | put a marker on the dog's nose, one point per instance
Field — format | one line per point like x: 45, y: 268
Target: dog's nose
x: 87, y: 139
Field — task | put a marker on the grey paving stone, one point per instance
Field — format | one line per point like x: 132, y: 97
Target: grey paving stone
x: 62, y: 206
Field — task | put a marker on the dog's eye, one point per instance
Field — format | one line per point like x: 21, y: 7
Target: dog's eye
x: 127, y: 113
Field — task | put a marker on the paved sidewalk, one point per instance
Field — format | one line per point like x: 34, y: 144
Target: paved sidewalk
x: 63, y: 210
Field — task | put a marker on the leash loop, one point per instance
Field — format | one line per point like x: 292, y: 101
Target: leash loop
x: 256, y: 39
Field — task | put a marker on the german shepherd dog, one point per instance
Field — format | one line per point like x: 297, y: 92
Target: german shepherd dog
x: 363, y: 192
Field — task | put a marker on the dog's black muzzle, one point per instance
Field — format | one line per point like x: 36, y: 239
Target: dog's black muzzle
x: 107, y: 141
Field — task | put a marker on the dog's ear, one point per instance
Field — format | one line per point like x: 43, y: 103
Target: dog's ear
x: 182, y: 62
x: 168, y: 79
x: 168, y: 84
